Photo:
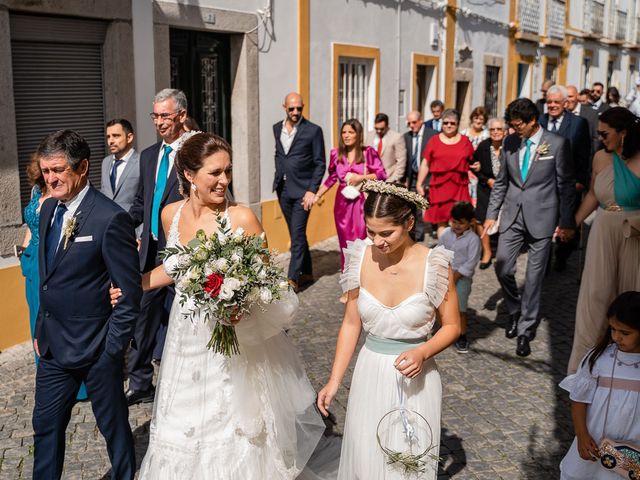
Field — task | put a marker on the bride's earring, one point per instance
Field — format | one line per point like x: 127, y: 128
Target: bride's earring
x: 193, y: 187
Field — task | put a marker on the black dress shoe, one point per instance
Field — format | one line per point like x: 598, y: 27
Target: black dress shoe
x: 523, y: 349
x: 512, y: 327
x: 140, y: 396
x: 485, y: 265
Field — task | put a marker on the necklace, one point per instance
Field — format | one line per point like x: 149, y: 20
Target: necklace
x: 620, y: 362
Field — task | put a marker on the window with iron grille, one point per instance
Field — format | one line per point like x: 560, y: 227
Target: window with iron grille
x: 491, y: 89
x: 355, y: 91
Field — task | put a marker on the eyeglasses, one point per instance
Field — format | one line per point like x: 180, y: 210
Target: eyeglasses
x: 163, y: 116
x: 496, y: 129
x: 294, y: 109
x: 603, y: 134
x: 449, y: 123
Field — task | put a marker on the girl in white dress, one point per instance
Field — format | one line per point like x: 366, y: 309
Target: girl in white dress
x: 605, y: 393
x: 394, y: 288
x: 249, y: 416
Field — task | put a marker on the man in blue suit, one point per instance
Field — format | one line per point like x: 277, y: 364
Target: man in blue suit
x: 300, y: 165
x: 435, y: 123
x: 88, y: 244
x: 561, y: 121
x: 157, y: 187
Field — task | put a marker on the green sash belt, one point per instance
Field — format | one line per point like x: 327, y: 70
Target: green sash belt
x: 388, y: 346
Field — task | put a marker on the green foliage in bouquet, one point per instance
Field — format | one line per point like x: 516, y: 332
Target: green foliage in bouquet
x: 221, y: 277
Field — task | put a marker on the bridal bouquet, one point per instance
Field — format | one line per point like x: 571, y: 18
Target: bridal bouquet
x: 221, y: 277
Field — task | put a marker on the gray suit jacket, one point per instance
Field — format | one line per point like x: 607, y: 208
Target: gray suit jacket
x: 546, y: 196
x: 127, y: 183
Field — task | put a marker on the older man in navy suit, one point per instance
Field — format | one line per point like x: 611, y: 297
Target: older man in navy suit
x: 88, y: 243
x: 157, y: 187
x: 561, y: 121
x: 300, y: 165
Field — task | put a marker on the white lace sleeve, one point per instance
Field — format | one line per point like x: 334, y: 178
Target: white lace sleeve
x: 437, y: 275
x: 582, y: 385
x: 350, y: 278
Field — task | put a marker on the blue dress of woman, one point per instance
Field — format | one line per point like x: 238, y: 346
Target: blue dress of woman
x: 29, y: 266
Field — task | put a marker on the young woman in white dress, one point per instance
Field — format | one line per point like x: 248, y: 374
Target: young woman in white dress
x: 395, y: 287
x: 249, y: 416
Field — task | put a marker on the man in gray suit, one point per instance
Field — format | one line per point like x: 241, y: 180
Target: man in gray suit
x: 536, y: 190
x: 120, y: 169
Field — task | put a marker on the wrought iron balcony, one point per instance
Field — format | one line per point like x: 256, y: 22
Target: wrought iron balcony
x: 555, y: 18
x: 594, y: 17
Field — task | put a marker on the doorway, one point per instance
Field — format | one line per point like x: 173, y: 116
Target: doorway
x: 200, y: 67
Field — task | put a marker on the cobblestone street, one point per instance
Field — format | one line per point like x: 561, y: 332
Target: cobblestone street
x: 503, y: 417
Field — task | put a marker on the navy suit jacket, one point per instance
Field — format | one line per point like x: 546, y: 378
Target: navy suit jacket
x: 76, y: 322
x: 576, y: 130
x: 305, y: 163
x: 429, y: 124
x: 427, y: 133
x: 140, y: 211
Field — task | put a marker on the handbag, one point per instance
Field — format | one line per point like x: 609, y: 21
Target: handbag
x: 352, y: 192
x: 618, y: 456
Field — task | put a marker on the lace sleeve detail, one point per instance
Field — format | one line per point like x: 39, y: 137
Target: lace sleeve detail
x: 582, y: 385
x: 350, y: 278
x: 437, y: 275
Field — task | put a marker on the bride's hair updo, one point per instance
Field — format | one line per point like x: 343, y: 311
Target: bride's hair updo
x: 386, y: 205
x: 192, y: 153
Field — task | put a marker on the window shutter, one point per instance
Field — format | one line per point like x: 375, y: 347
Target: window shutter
x: 57, y: 84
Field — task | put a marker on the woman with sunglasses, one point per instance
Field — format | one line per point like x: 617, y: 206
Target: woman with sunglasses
x: 613, y: 251
x: 447, y: 157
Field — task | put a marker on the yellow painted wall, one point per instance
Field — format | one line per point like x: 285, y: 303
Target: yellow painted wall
x: 14, y: 321
x: 321, y: 223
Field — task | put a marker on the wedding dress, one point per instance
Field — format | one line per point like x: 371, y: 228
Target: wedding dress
x: 377, y: 387
x: 250, y: 416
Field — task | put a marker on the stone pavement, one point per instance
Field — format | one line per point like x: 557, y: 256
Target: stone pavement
x: 503, y: 417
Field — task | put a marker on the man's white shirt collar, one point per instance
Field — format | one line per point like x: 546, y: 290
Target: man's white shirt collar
x: 126, y: 156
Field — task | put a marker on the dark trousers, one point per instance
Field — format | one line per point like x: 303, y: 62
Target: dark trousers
x: 154, y: 312
x: 564, y: 249
x: 509, y: 245
x: 297, y: 219
x: 418, y: 230
x: 56, y: 389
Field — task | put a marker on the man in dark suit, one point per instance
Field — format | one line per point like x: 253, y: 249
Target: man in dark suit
x: 536, y: 190
x: 435, y: 123
x: 300, y: 165
x: 416, y: 140
x: 590, y: 115
x: 597, y: 102
x: 562, y: 122
x: 158, y: 186
x: 541, y: 103
x: 88, y: 243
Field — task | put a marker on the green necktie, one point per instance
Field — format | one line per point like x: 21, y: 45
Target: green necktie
x: 527, y: 157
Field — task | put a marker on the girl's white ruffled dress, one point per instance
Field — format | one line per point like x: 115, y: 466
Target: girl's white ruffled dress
x: 250, y: 416
x: 374, y: 383
x: 623, y: 421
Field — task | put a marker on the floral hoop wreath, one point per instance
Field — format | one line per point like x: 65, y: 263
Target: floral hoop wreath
x: 379, y: 186
x: 410, y: 462
x: 178, y: 145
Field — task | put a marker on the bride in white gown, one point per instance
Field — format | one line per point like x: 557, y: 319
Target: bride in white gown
x: 395, y: 287
x: 250, y: 416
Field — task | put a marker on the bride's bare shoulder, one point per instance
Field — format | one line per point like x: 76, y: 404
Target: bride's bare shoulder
x: 244, y: 217
x: 170, y: 210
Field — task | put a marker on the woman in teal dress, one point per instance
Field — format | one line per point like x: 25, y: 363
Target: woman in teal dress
x: 613, y: 251
x: 29, y: 257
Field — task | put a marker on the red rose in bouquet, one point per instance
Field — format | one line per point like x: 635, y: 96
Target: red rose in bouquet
x: 213, y: 284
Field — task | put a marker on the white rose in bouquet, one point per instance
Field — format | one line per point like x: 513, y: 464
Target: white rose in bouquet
x: 265, y: 295
x: 226, y: 293
x: 221, y: 264
x: 238, y: 233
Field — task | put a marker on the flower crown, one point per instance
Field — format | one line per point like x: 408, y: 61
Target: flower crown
x: 391, y: 189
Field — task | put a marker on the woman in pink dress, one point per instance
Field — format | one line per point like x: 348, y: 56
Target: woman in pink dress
x: 349, y: 165
x: 447, y: 157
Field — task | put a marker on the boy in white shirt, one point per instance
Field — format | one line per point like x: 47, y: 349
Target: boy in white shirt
x: 461, y: 239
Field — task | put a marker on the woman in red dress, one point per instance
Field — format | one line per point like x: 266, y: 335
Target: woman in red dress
x: 446, y: 157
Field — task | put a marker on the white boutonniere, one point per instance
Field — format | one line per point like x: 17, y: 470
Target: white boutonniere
x: 543, y: 149
x: 69, y: 230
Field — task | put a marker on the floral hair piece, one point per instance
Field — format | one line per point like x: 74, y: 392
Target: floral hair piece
x: 178, y: 145
x: 379, y: 186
